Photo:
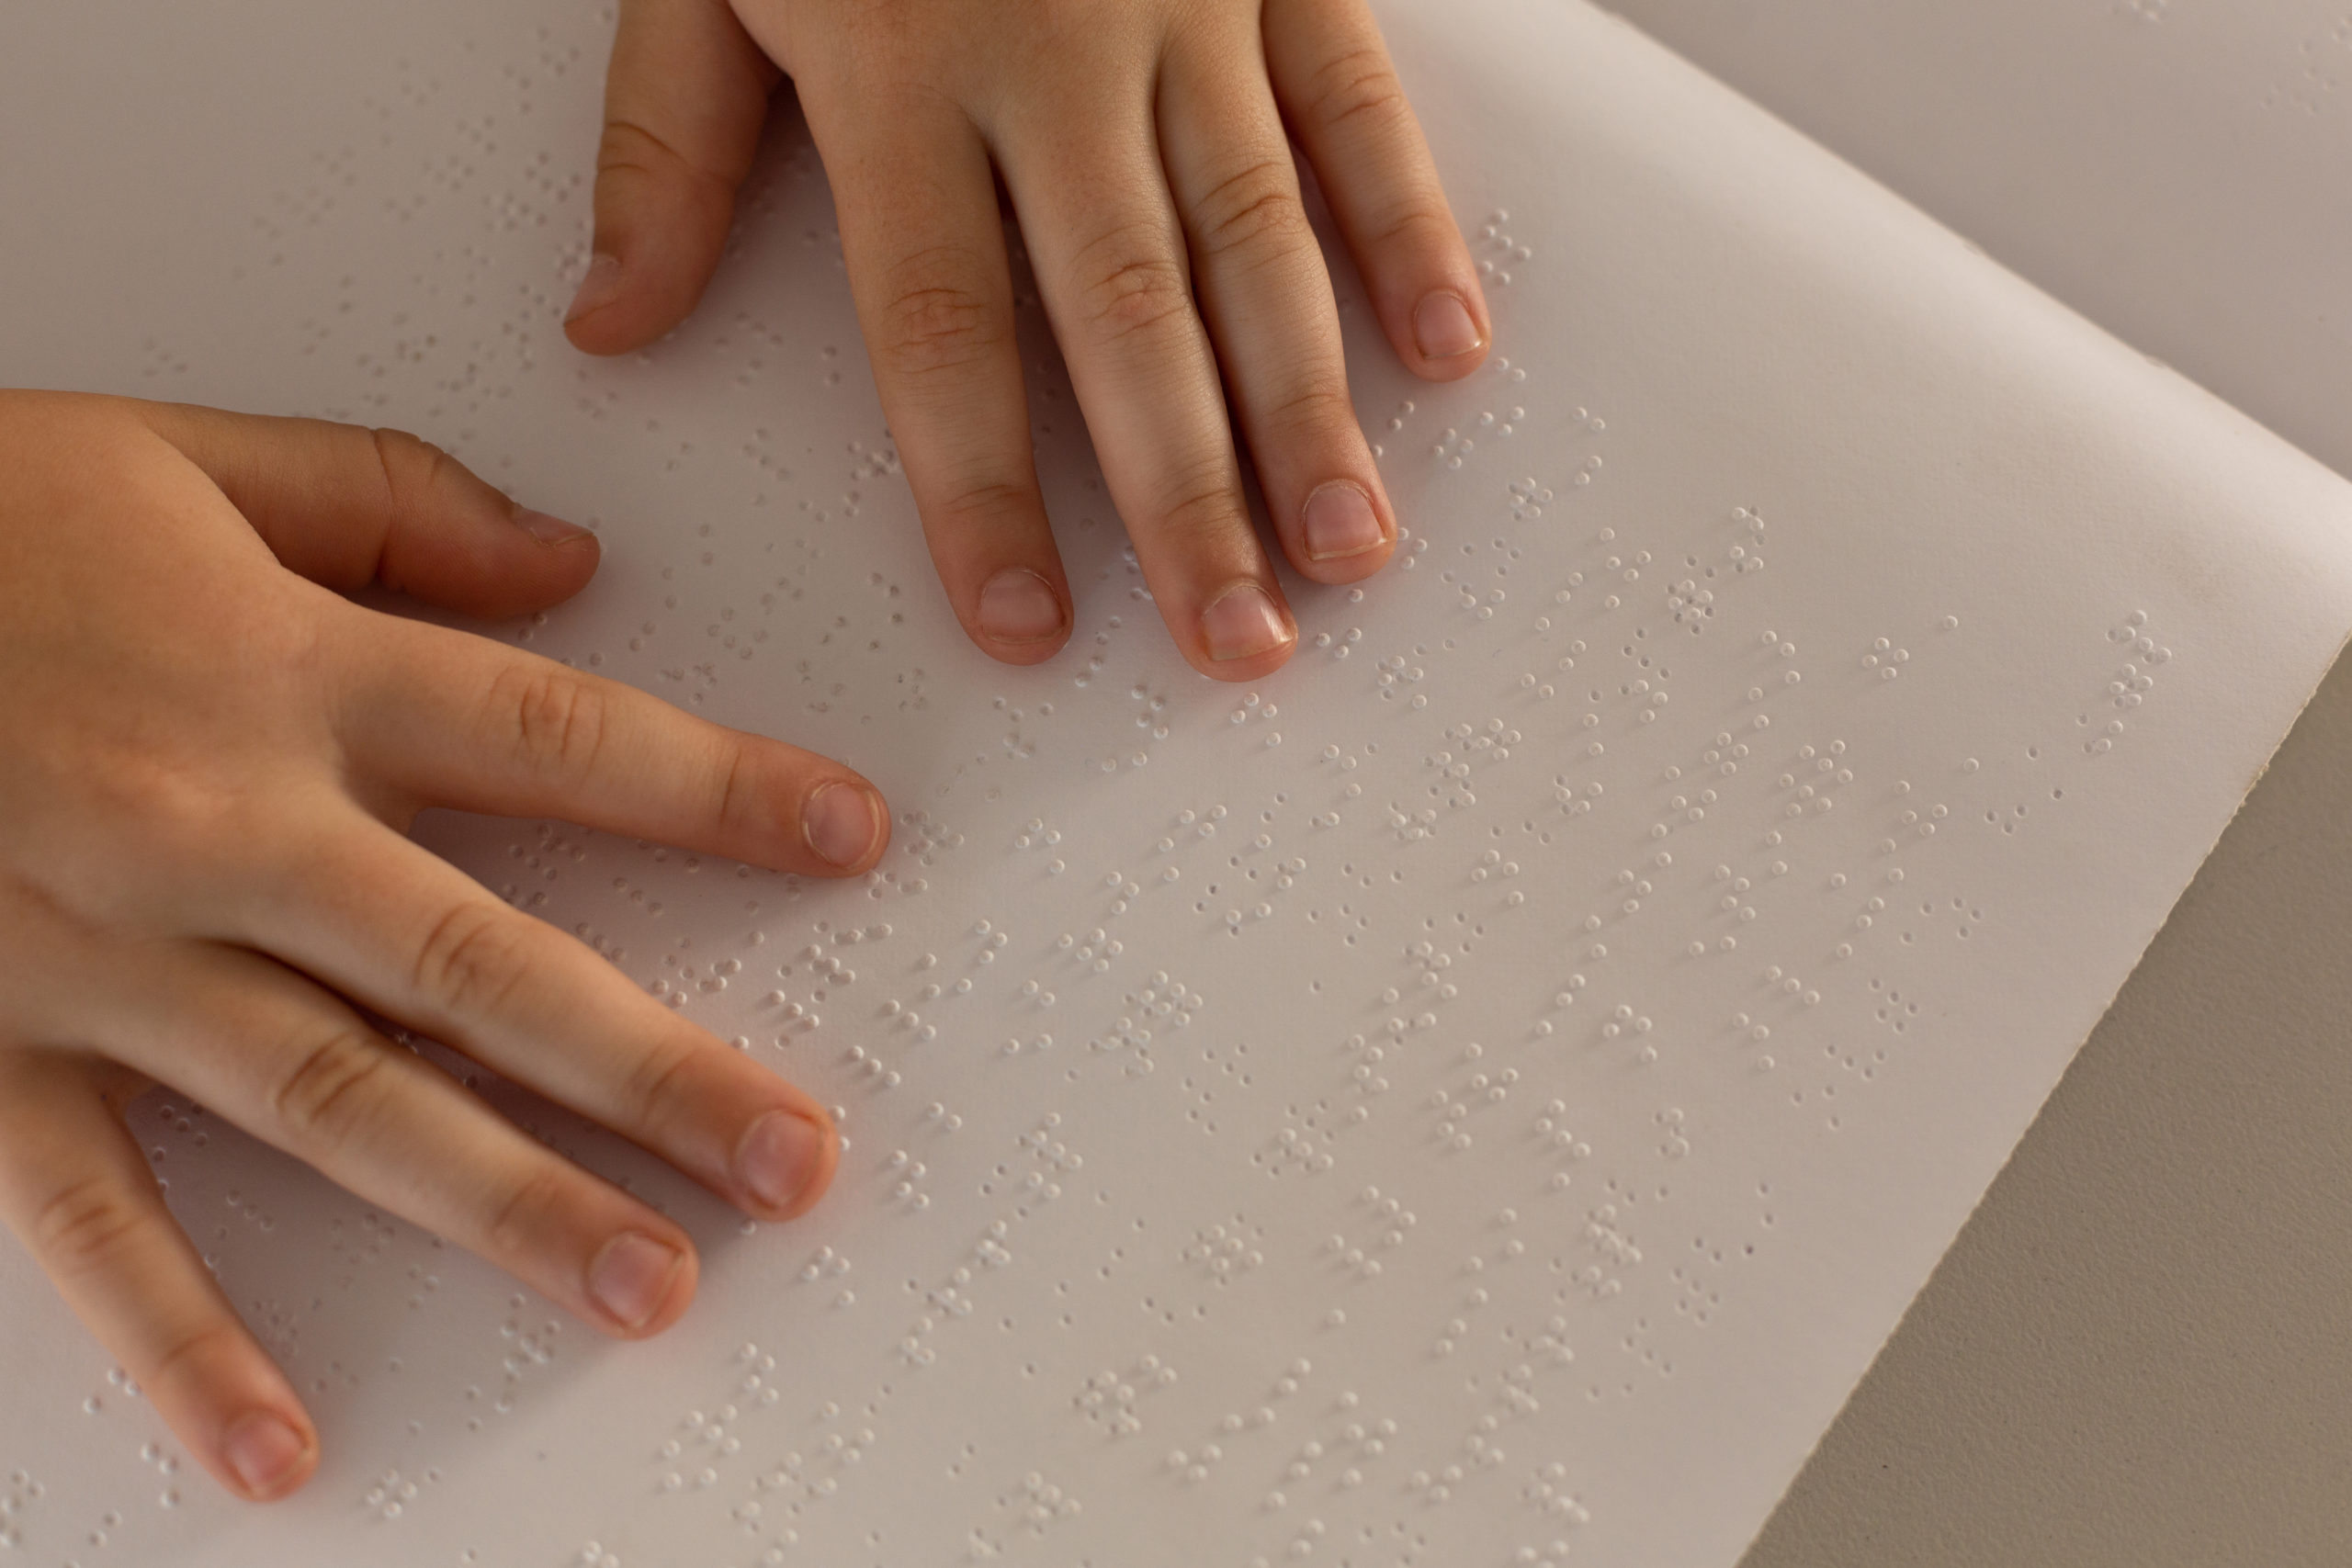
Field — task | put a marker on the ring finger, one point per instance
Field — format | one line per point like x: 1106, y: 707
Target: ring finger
x: 1110, y: 259
x: 298, y: 1068
x: 1267, y: 298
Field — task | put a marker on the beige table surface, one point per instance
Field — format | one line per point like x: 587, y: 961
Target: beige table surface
x: 2137, y: 1351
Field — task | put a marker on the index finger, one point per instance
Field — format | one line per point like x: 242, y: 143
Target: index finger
x: 450, y: 719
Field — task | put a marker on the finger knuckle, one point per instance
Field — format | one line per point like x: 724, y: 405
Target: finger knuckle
x: 85, y: 1226
x: 471, y: 958
x: 523, y: 1209
x: 932, y: 319
x: 412, y: 467
x: 1428, y: 230
x: 1201, y: 506
x: 1129, y: 285
x: 631, y: 146
x: 551, y: 720
x: 1357, y: 89
x: 985, y: 500
x: 1254, y: 210
x: 334, y: 1088
x: 1313, y: 409
x: 213, y: 1340
x: 659, y: 1090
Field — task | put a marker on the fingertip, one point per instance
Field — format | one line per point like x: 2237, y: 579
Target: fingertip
x: 1449, y: 334
x: 824, y: 1160
x: 642, y: 1282
x: 845, y: 826
x: 268, y: 1453
x: 611, y: 314
x: 1343, y: 536
x: 567, y: 554
x: 1021, y: 617
x: 1246, y: 633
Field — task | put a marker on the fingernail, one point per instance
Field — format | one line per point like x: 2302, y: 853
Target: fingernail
x: 1341, y: 522
x: 631, y: 1277
x: 1017, y: 606
x: 600, y: 288
x: 547, y: 530
x: 1442, y: 326
x: 261, y: 1449
x: 780, y: 1157
x: 838, y: 822
x: 1243, y: 621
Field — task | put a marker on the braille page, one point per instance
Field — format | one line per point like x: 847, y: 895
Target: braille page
x: 1479, y: 1096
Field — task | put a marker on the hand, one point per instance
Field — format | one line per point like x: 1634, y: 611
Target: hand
x: 209, y: 759
x: 1142, y: 143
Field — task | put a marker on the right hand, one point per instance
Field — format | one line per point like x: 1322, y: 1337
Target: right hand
x: 211, y: 759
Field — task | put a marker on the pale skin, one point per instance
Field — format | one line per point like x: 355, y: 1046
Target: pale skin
x: 214, y: 755
x: 1144, y: 147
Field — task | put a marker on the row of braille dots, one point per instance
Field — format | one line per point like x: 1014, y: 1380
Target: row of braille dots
x: 912, y: 1020
x: 2130, y: 683
x: 1779, y: 980
x: 1527, y: 498
x: 1481, y: 1452
x: 928, y: 839
x: 26, y: 1489
x: 1348, y: 762
x: 1201, y: 1462
x: 1251, y: 706
x: 1481, y: 1091
x: 1356, y: 1445
x: 1365, y: 1074
x: 1340, y: 644
x: 1691, y: 602
x: 1226, y: 1251
x: 1394, y: 1220
x: 1109, y: 1401
x: 1546, y: 1492
x: 842, y: 1451
x: 391, y: 1493
x: 1038, y: 1502
x: 1477, y: 1299
x: 1502, y: 252
x: 1097, y: 658
x: 1294, y: 1148
x: 953, y: 1299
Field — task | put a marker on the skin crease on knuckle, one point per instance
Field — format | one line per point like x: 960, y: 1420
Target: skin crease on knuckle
x: 81, y: 1228
x: 553, y: 720
x: 1254, y: 215
x: 472, y: 959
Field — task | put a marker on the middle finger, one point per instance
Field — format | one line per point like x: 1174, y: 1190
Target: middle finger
x: 411, y: 937
x: 1267, y: 298
x: 1110, y: 259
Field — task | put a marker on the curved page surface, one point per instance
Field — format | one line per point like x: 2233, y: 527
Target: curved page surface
x: 1479, y: 1096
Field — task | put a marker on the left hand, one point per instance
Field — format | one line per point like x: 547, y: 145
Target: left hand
x: 1143, y: 145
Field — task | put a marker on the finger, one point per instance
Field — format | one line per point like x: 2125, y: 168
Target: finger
x: 925, y: 245
x: 684, y: 99
x: 298, y: 1068
x: 75, y: 1190
x: 463, y: 722
x: 1110, y: 266
x: 1267, y: 299
x: 411, y: 937
x: 1332, y: 75
x: 343, y: 505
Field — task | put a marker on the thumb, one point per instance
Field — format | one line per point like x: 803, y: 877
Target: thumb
x: 684, y: 99
x: 344, y: 506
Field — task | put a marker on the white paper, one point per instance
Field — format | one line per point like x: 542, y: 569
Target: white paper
x: 1488, y: 1090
